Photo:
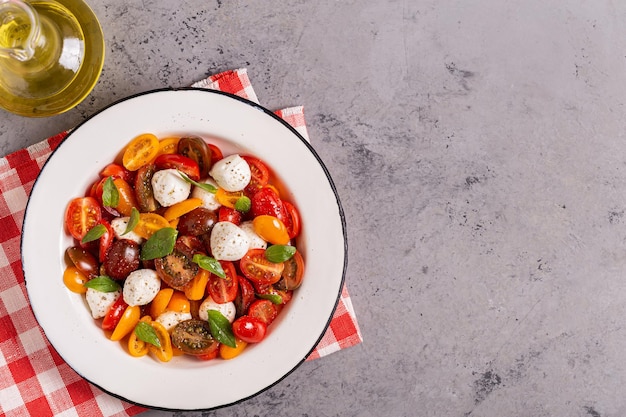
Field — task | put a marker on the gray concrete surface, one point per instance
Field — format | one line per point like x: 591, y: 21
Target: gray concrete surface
x: 479, y: 151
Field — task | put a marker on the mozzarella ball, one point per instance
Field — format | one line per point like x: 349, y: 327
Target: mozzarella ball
x: 256, y: 241
x: 228, y: 310
x: 228, y: 242
x: 141, y: 287
x: 231, y: 173
x: 169, y: 319
x: 208, y: 198
x: 99, y: 302
x: 119, y: 225
x: 169, y: 187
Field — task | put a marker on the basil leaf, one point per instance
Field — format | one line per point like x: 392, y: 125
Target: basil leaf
x: 206, y: 187
x: 279, y: 253
x: 160, y: 244
x: 146, y: 333
x: 221, y: 329
x: 210, y: 264
x: 94, y: 233
x: 110, y: 195
x: 243, y: 204
x: 132, y: 221
x: 274, y: 298
x: 102, y: 284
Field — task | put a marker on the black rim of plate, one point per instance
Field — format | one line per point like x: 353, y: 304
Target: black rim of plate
x: 330, y: 182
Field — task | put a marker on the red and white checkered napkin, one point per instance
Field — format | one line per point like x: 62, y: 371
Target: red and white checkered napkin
x: 34, y: 380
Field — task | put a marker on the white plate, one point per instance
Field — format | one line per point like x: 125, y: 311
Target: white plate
x: 234, y: 124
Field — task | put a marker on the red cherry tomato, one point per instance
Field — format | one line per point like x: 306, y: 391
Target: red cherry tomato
x: 227, y: 214
x: 260, y: 174
x: 266, y: 201
x: 245, y: 296
x: 114, y: 314
x: 292, y: 223
x: 216, y: 153
x: 255, y: 266
x: 81, y: 215
x: 105, y: 240
x: 224, y: 290
x: 249, y: 329
x: 182, y: 163
x: 117, y: 171
x: 263, y: 310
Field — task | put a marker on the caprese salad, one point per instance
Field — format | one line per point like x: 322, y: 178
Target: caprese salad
x: 179, y: 249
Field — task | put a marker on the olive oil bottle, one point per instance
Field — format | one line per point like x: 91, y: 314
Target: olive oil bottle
x: 51, y: 55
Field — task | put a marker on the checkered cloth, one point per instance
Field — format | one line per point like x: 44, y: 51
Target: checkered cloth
x: 34, y: 380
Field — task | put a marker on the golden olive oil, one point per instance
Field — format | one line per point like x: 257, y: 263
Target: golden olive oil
x: 67, y: 58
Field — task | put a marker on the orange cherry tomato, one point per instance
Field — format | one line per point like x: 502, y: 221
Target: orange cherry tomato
x: 75, y: 280
x: 228, y: 198
x: 160, y: 302
x: 181, y: 208
x: 271, y: 229
x: 164, y: 352
x: 196, y: 288
x: 127, y: 322
x: 178, y: 303
x: 227, y: 352
x: 140, y: 151
x: 127, y: 196
x: 150, y: 223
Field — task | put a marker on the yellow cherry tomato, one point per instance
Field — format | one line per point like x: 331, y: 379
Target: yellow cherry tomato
x: 178, y: 303
x: 140, y: 151
x: 136, y: 346
x: 75, y: 280
x: 168, y: 145
x: 164, y: 352
x: 227, y: 352
x: 181, y: 208
x: 127, y: 322
x: 228, y: 198
x: 149, y: 223
x: 196, y: 288
x: 271, y: 229
x: 160, y: 302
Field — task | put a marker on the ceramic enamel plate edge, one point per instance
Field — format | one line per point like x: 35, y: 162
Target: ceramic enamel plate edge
x: 236, y: 125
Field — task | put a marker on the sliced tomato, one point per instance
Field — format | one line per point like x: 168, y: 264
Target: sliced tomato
x: 182, y: 163
x: 249, y: 329
x: 216, y: 153
x: 196, y: 148
x: 255, y: 266
x: 227, y: 214
x: 144, y: 193
x: 292, y: 273
x: 263, y: 310
x: 266, y: 201
x: 245, y: 296
x: 127, y: 322
x: 105, y: 240
x: 164, y: 352
x: 114, y: 315
x: 224, y: 290
x: 292, y: 222
x: 140, y: 151
x: 194, y: 337
x: 177, y: 269
x: 260, y: 174
x: 81, y: 215
x: 126, y: 194
x: 117, y: 171
x: 273, y: 290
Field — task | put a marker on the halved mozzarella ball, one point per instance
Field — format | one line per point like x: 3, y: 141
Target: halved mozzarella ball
x: 99, y: 302
x: 141, y: 286
x: 208, y: 198
x: 228, y: 242
x: 169, y: 187
x: 169, y: 319
x: 228, y: 310
x: 119, y: 225
x: 256, y: 241
x: 231, y: 173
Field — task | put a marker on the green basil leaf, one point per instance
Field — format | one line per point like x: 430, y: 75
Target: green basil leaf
x: 103, y: 284
x: 132, y: 221
x: 243, y: 204
x: 110, y: 195
x: 160, y: 244
x: 220, y: 328
x: 279, y: 253
x: 274, y: 298
x: 210, y: 264
x: 94, y: 233
x: 206, y: 187
x: 146, y: 333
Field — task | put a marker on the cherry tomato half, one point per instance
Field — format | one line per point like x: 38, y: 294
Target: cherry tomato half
x: 245, y: 296
x: 140, y: 151
x: 216, y: 153
x: 116, y: 171
x: 224, y: 290
x: 293, y: 219
x: 197, y: 149
x: 249, y: 329
x: 144, y: 193
x: 194, y: 337
x: 292, y: 273
x: 114, y: 315
x: 81, y: 215
x: 260, y: 174
x: 182, y: 163
x: 255, y: 266
x: 263, y: 310
x: 266, y: 201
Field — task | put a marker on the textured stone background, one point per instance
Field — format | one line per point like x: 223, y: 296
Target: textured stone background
x: 478, y: 149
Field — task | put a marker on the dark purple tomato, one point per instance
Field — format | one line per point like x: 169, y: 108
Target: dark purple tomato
x: 122, y: 258
x: 197, y: 222
x: 177, y: 268
x: 83, y: 260
x: 196, y: 148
